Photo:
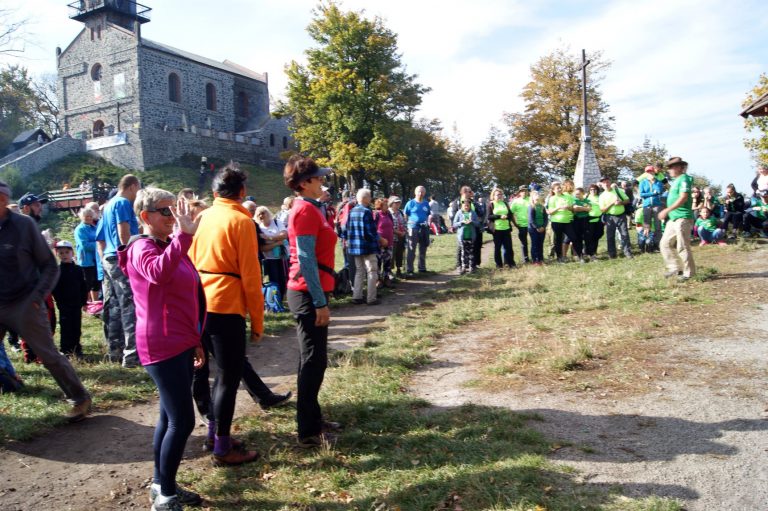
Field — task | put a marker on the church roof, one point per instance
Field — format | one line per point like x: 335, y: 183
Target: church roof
x: 228, y: 66
x: 27, y: 135
x: 758, y: 108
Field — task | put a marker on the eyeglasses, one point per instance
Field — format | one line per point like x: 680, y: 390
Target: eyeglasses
x: 166, y: 211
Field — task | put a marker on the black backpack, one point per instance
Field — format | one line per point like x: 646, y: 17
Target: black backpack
x: 343, y: 283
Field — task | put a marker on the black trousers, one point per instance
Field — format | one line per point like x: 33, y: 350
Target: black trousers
x: 594, y: 233
x: 227, y: 343
x: 561, y: 230
x: 502, y: 247
x: 478, y: 247
x: 580, y: 226
x: 313, y: 360
x: 733, y: 217
x: 70, y: 323
x: 522, y: 235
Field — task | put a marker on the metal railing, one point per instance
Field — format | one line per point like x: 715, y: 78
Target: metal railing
x: 79, y: 8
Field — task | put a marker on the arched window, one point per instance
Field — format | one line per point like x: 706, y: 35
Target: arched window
x: 174, y: 88
x: 285, y: 142
x: 96, y: 73
x: 242, y: 104
x: 210, y: 96
x: 98, y: 128
x: 271, y: 140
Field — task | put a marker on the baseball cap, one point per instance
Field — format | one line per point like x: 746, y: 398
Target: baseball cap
x: 522, y: 188
x: 29, y: 198
x: 605, y: 178
x: 64, y: 244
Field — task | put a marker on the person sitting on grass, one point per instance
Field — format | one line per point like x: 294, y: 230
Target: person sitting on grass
x: 170, y: 314
x: 756, y: 216
x: 708, y: 229
x: 465, y: 223
x: 733, y: 206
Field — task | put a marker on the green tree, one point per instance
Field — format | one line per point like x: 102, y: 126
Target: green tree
x: 17, y: 104
x: 637, y: 158
x: 549, y: 130
x: 757, y: 127
x: 347, y: 102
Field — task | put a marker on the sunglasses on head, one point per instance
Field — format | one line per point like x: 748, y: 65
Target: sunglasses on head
x: 166, y: 211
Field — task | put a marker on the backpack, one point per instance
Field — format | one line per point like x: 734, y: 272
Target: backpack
x: 272, y: 300
x: 343, y: 283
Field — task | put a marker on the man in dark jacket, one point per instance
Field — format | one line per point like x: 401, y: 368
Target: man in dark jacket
x: 28, y: 271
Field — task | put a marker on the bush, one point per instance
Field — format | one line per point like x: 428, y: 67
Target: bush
x: 12, y: 177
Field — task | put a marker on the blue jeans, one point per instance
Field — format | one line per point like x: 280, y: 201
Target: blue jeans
x: 537, y: 244
x: 711, y: 236
x: 173, y: 378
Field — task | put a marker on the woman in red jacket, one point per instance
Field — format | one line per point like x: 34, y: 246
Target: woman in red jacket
x: 170, y: 313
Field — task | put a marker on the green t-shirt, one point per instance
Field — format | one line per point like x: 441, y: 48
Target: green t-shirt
x: 559, y: 201
x: 758, y: 207
x: 710, y: 224
x: 609, y: 197
x: 594, y: 213
x: 538, y: 215
x: 519, y: 208
x: 581, y: 203
x: 639, y: 216
x: 501, y: 208
x: 466, y: 232
x: 683, y: 184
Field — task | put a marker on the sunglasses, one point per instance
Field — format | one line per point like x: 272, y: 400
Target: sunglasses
x: 166, y: 211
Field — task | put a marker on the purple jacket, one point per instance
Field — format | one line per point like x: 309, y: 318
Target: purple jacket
x: 169, y: 299
x: 385, y: 226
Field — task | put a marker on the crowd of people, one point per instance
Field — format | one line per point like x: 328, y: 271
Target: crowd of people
x: 175, y: 279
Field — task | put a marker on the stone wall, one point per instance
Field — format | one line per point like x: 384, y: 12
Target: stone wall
x: 46, y: 154
x: 87, y: 97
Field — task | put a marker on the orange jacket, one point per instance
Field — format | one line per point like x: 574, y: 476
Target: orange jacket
x: 226, y: 243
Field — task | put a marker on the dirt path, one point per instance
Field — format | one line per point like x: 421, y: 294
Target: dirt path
x: 699, y: 439
x: 105, y: 462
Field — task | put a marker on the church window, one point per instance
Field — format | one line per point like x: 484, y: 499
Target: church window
x: 285, y: 142
x: 210, y: 96
x: 98, y: 128
x: 271, y: 140
x: 242, y: 104
x: 174, y: 88
x: 96, y: 73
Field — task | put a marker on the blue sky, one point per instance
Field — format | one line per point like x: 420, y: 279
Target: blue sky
x: 680, y: 68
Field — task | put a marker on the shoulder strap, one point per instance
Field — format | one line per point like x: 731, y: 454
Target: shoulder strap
x: 321, y: 267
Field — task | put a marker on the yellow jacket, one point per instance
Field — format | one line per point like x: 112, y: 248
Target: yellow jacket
x: 225, y: 247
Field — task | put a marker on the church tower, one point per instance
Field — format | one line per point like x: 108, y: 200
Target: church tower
x: 94, y: 14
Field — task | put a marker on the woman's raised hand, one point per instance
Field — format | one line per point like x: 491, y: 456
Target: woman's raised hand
x: 183, y: 217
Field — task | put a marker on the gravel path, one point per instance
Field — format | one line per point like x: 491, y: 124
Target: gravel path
x: 702, y: 443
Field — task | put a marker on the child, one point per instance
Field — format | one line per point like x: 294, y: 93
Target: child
x: 707, y: 226
x: 537, y: 227
x: 466, y: 222
x: 645, y: 239
x: 71, y: 294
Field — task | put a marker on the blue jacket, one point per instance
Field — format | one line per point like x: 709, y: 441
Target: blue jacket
x: 459, y: 225
x: 362, y: 237
x: 651, y: 192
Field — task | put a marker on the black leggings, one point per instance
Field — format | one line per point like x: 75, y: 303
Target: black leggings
x: 562, y: 230
x: 502, y: 242
x: 313, y: 360
x: 173, y: 378
x: 227, y: 336
x: 594, y: 233
x: 732, y: 217
x: 522, y: 235
x: 580, y: 226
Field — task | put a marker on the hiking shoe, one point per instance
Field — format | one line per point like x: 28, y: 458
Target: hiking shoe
x: 375, y: 302
x: 209, y: 444
x: 702, y: 243
x: 358, y: 301
x: 172, y: 504
x: 186, y: 497
x: 235, y: 457
x: 79, y: 411
x: 275, y: 400
x: 671, y: 274
x: 312, y: 442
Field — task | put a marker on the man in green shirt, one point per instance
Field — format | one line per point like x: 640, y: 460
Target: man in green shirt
x: 612, y: 202
x: 519, y: 208
x: 675, y: 244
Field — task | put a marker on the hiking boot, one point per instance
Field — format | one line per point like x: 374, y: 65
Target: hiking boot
x: 671, y: 274
x: 235, y: 457
x: 186, y: 497
x: 275, y: 400
x: 172, y: 504
x: 358, y: 301
x: 312, y: 442
x: 79, y: 411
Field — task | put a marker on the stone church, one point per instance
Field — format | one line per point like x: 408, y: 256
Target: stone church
x: 140, y: 103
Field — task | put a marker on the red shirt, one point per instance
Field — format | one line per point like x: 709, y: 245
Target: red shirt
x: 307, y: 220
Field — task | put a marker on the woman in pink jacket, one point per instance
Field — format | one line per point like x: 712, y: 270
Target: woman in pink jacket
x: 170, y: 312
